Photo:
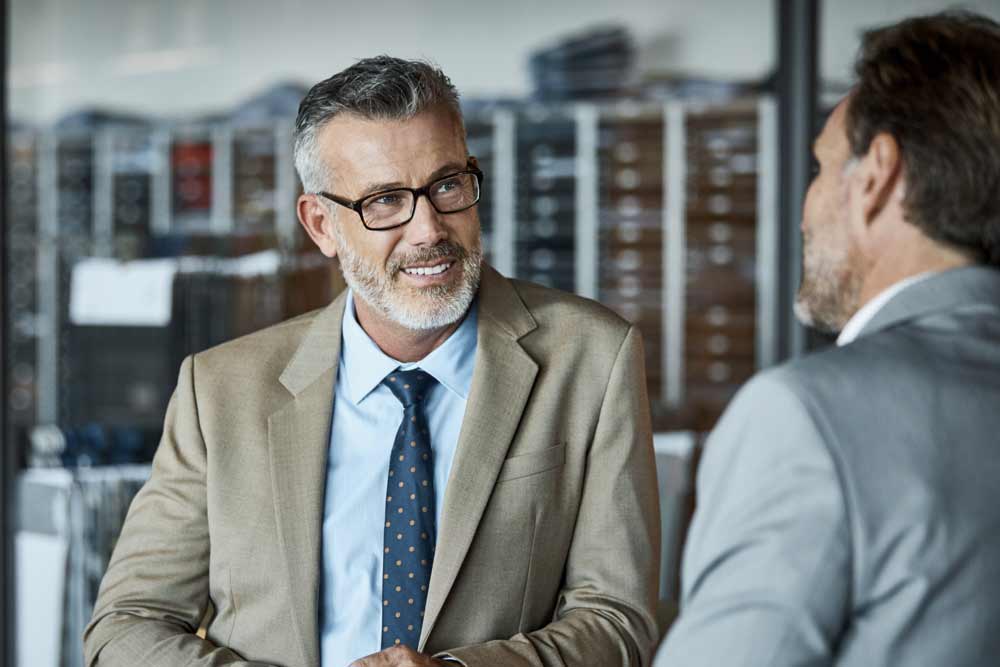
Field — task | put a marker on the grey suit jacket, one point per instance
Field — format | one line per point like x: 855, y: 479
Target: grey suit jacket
x: 546, y: 551
x: 849, y: 501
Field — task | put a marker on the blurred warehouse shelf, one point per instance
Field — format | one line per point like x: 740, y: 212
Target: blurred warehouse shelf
x: 663, y: 212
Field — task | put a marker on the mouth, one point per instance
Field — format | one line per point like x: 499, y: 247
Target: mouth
x: 437, y: 274
x: 429, y: 270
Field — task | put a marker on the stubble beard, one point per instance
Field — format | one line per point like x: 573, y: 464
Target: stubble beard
x: 417, y: 309
x: 831, y: 284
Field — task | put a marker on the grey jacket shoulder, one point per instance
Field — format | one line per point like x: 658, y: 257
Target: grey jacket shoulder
x: 902, y: 371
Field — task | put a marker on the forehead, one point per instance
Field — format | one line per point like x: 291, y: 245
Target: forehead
x: 833, y: 137
x: 361, y: 150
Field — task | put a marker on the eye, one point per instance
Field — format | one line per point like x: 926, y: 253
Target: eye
x: 387, y: 199
x: 448, y: 184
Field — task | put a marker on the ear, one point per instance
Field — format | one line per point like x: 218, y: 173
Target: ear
x: 318, y: 222
x: 880, y: 176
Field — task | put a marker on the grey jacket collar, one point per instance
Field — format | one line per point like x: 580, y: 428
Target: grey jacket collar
x: 949, y: 290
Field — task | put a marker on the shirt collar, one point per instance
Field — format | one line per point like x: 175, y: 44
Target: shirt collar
x: 364, y: 365
x: 864, y: 315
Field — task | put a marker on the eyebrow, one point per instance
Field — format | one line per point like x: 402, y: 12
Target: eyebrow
x: 444, y: 170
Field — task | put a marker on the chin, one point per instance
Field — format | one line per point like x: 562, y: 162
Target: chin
x: 425, y: 314
x: 825, y: 312
x: 429, y: 308
x: 803, y: 314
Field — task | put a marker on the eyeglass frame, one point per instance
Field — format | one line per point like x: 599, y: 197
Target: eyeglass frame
x: 355, y: 205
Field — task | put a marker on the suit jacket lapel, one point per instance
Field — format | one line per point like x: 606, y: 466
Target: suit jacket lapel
x: 502, y: 381
x: 298, y: 439
x: 973, y: 285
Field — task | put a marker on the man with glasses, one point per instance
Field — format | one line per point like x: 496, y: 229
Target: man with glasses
x: 443, y: 466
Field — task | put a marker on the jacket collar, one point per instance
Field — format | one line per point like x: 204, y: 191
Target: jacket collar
x: 945, y: 291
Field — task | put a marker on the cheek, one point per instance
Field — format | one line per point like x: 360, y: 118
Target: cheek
x: 372, y: 248
x: 389, y: 248
x: 810, y: 206
x: 466, y: 232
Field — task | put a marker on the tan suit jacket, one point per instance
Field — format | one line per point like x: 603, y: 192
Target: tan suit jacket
x: 547, y: 548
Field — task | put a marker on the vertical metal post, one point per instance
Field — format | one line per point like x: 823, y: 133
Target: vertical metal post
x: 8, y: 457
x: 103, y: 192
x: 222, y: 180
x: 674, y: 253
x: 161, y: 182
x: 767, y: 233
x: 48, y: 322
x: 798, y: 46
x: 505, y: 182
x: 585, y: 239
x: 285, y: 185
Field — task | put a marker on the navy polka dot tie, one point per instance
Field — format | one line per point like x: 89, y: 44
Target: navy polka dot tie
x: 409, y: 515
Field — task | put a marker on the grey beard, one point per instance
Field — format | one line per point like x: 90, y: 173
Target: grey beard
x: 830, y: 290
x: 380, y: 290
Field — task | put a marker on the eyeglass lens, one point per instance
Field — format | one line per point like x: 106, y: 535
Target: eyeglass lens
x: 448, y: 195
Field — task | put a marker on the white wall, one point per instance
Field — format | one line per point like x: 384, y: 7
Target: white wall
x: 842, y: 22
x: 192, y: 56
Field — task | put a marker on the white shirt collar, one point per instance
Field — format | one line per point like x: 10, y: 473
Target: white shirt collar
x: 864, y: 315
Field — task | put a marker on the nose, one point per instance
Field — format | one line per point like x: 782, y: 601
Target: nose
x: 427, y: 226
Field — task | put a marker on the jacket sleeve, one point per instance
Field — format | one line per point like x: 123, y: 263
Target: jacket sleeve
x: 766, y: 574
x: 155, y: 592
x: 606, y: 610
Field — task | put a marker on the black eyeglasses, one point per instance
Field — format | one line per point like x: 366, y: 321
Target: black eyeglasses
x: 388, y: 209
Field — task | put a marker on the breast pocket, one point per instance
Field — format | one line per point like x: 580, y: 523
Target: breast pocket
x: 532, y: 463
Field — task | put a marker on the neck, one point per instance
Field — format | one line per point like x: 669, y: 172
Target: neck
x: 402, y: 344
x: 927, y: 257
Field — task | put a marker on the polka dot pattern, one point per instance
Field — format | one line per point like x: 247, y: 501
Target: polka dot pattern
x: 409, y: 515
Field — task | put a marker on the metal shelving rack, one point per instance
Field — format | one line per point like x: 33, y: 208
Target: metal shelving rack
x: 602, y: 199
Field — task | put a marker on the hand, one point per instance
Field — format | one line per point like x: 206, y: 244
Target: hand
x: 399, y: 656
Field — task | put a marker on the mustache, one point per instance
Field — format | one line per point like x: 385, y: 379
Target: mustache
x: 443, y: 250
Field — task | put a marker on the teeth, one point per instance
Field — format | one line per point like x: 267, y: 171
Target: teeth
x: 428, y: 270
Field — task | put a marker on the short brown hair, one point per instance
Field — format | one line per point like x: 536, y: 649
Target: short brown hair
x: 933, y: 83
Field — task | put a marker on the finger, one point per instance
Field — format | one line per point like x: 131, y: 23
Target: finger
x: 404, y: 656
x: 367, y: 661
x: 400, y: 655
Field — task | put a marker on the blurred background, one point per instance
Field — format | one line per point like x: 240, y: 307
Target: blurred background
x: 650, y: 155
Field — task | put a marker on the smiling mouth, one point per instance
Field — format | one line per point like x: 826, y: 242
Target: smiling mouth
x: 428, y: 270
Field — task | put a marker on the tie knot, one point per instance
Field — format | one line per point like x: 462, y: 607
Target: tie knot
x: 409, y: 387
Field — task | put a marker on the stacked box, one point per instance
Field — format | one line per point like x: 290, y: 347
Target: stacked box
x: 191, y: 181
x: 75, y: 174
x: 480, y: 140
x: 545, y: 178
x: 721, y: 265
x: 254, y: 179
x: 630, y: 228
x: 133, y: 169
x: 22, y: 306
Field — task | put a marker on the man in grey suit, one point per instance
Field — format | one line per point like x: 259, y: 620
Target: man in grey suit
x: 849, y: 511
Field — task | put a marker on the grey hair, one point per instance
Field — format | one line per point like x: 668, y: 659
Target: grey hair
x: 379, y: 88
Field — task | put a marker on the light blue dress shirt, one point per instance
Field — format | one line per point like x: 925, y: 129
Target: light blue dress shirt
x: 366, y: 417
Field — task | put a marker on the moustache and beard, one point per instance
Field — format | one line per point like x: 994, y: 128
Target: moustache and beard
x: 419, y: 309
x: 830, y: 292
